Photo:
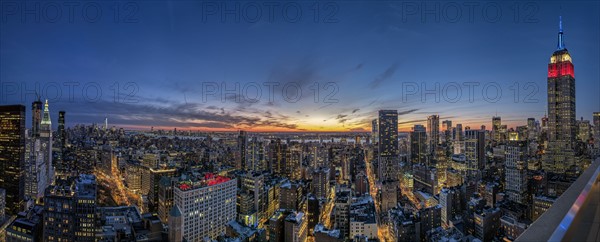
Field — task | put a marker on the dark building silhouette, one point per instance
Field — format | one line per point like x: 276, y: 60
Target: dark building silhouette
x: 12, y: 155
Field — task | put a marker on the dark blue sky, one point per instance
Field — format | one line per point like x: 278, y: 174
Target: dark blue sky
x: 163, y: 57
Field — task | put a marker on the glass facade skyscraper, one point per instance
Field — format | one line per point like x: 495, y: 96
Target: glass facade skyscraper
x: 12, y: 155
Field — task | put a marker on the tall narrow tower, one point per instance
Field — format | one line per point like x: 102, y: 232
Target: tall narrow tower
x: 433, y: 133
x: 36, y: 117
x: 46, y: 141
x: 561, y: 109
x: 388, y: 145
x: 62, y: 136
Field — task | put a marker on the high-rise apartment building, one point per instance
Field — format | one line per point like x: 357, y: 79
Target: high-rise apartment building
x: 474, y: 151
x: 256, y: 157
x: 388, y: 145
x: 320, y: 183
x: 516, y: 171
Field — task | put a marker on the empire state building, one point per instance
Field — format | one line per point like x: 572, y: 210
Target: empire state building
x: 561, y: 110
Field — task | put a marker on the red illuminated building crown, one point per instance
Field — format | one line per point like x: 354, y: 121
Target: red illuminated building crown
x: 560, y: 61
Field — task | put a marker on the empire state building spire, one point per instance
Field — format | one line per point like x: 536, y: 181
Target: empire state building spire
x: 561, y: 43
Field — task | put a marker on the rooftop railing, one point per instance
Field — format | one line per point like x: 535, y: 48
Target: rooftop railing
x: 575, y: 215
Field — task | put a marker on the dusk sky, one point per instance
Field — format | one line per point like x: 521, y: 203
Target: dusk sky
x: 164, y: 56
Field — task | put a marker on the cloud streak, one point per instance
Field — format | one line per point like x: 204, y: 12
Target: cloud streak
x: 389, y: 72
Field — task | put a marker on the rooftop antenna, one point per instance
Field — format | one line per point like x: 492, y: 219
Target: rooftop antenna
x: 561, y: 42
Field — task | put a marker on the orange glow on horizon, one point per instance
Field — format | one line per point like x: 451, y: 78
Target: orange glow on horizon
x: 405, y: 127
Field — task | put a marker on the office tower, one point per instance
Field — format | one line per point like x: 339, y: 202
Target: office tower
x: 35, y: 167
x: 516, y: 171
x: 374, y: 131
x: 61, y: 133
x: 447, y: 129
x: 154, y: 182
x: 320, y: 183
x: 596, y: 120
x: 388, y: 145
x: 12, y: 156
x: 255, y: 156
x: 134, y: 174
x: 531, y: 129
x: 165, y: 197
x: 418, y: 145
x: 70, y: 209
x: 242, y: 141
x: 293, y: 162
x: 446, y: 125
x: 193, y: 219
x: 46, y: 142
x: 36, y: 117
x: 474, y: 152
x: 61, y: 168
x: 277, y: 151
x: 458, y: 132
x: 560, y: 153
x: 388, y: 168
x: 433, y: 133
x: 496, y: 129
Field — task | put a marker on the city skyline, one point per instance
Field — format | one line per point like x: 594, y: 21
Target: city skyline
x: 169, y: 81
x: 347, y: 121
